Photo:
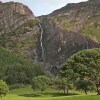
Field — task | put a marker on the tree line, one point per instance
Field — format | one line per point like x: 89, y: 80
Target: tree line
x: 80, y: 72
x: 17, y: 70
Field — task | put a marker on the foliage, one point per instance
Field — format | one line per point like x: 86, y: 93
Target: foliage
x: 3, y: 88
x: 16, y: 86
x: 40, y: 82
x: 66, y: 74
x: 85, y: 84
x: 15, y: 69
x: 62, y: 84
x: 85, y: 66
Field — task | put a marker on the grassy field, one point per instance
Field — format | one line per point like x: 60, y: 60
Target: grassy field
x: 28, y: 94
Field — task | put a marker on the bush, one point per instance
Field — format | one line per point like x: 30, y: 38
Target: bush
x: 16, y: 86
x: 15, y: 69
x: 3, y: 88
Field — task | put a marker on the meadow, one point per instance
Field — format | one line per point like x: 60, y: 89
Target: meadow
x: 28, y: 94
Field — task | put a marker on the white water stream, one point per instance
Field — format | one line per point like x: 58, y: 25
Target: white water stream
x: 87, y: 43
x: 41, y: 42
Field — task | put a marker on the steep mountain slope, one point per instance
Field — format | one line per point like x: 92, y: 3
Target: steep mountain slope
x: 12, y: 15
x: 81, y: 17
x: 49, y: 40
x: 69, y: 30
x: 18, y: 29
x: 59, y: 44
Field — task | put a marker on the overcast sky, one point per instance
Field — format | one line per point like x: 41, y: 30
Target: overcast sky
x: 43, y: 7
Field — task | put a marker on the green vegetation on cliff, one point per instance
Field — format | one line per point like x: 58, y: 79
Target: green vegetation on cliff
x: 14, y: 69
x: 91, y: 28
x: 64, y: 22
x: 22, y: 39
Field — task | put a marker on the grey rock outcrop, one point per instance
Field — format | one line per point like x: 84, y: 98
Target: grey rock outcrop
x: 12, y: 15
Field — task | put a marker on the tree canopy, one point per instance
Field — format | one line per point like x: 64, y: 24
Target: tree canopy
x: 83, y: 67
x: 40, y: 82
x: 15, y: 69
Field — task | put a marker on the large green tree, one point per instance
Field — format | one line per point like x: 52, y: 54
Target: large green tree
x: 3, y: 88
x: 84, y: 66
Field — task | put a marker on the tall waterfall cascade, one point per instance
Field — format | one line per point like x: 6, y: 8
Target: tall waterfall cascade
x: 41, y: 42
x: 87, y: 43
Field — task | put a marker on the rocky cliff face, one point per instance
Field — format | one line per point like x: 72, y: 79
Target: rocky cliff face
x: 81, y: 17
x: 59, y: 44
x: 18, y: 29
x: 49, y: 40
x: 70, y: 29
x: 12, y: 15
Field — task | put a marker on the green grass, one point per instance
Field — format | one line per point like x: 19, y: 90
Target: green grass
x: 28, y: 94
x: 14, y: 97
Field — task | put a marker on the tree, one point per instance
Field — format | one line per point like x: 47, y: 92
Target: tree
x: 98, y: 91
x: 66, y: 77
x: 3, y: 88
x: 85, y: 85
x: 40, y: 82
x: 62, y: 84
x: 85, y: 66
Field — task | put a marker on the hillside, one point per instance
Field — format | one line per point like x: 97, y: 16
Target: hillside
x: 15, y: 69
x: 50, y: 57
x: 18, y: 29
x: 83, y: 17
x: 49, y: 40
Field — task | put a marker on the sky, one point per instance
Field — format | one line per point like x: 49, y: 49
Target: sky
x: 44, y: 7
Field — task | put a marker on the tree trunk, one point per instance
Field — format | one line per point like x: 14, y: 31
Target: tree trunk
x: 42, y: 90
x: 1, y: 97
x: 67, y: 90
x: 64, y: 91
x: 98, y: 90
x: 85, y: 90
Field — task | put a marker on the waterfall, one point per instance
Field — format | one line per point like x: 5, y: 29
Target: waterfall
x: 87, y: 43
x: 41, y: 41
